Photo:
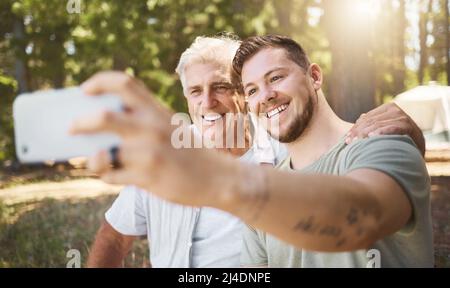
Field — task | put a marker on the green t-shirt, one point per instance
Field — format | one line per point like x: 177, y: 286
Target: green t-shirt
x: 411, y: 246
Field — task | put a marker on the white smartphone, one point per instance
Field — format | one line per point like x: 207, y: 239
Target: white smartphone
x: 42, y: 120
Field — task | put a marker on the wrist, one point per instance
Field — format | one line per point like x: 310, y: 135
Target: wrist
x: 243, y: 191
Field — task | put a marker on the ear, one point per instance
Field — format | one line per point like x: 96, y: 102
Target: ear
x: 316, y: 76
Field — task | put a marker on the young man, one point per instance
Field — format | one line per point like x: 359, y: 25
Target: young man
x: 270, y: 200
x: 377, y: 198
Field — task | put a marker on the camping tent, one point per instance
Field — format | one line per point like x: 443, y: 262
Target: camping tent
x: 429, y: 107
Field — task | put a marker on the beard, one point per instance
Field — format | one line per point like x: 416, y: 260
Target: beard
x: 299, y: 124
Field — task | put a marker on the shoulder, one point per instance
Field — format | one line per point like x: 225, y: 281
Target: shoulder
x: 384, y: 141
x: 386, y: 148
x: 394, y: 155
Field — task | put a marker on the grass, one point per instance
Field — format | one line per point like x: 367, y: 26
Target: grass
x: 39, y: 233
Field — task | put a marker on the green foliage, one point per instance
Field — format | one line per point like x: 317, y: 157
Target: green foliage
x: 56, y: 48
x: 42, y: 45
x: 8, y: 88
x: 63, y: 225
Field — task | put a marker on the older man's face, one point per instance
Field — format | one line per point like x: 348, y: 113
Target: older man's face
x: 210, y: 94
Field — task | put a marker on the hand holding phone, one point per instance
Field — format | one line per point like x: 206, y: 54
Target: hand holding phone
x: 42, y: 120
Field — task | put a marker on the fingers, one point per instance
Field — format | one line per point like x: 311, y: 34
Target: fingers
x: 379, y: 127
x: 385, y: 112
x: 107, y: 121
x: 102, y: 162
x: 385, y: 130
x: 364, y: 132
x: 123, y: 177
x: 129, y: 155
x: 358, y: 130
x: 133, y: 93
x: 387, y: 107
x: 99, y: 163
x: 137, y: 168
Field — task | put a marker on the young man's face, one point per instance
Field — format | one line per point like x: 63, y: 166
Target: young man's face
x: 209, y: 95
x: 280, y: 91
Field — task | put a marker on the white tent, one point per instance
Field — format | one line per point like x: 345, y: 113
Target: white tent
x: 428, y: 106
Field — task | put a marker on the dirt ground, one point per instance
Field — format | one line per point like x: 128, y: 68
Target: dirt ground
x: 72, y: 191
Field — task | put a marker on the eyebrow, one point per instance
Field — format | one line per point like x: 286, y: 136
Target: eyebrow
x: 215, y: 83
x: 193, y: 87
x: 223, y: 82
x: 265, y: 75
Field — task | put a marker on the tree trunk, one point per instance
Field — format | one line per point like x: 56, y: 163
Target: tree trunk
x: 283, y: 10
x: 20, y: 65
x: 352, y: 83
x: 399, y: 49
x: 447, y: 38
x: 59, y: 75
x: 423, y: 33
x: 286, y: 12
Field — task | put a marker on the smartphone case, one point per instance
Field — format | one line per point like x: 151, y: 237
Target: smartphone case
x: 42, y: 121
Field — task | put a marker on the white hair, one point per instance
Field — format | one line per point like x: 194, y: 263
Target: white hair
x: 219, y: 50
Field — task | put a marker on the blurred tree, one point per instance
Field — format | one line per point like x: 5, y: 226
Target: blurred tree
x: 42, y: 45
x: 352, y: 87
x: 398, y: 41
x: 447, y: 37
x: 438, y: 48
x: 423, y: 33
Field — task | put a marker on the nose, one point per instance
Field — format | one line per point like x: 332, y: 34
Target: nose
x: 209, y: 100
x: 267, y: 95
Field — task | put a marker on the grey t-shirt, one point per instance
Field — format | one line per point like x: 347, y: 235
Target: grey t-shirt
x: 411, y: 246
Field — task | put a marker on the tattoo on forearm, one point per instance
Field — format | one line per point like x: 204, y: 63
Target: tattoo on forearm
x: 352, y: 216
x: 329, y: 230
x: 359, y: 231
x: 310, y: 226
x: 306, y: 225
x: 340, y: 242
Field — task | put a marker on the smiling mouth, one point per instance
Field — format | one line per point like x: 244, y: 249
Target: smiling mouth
x: 276, y: 110
x: 211, y: 118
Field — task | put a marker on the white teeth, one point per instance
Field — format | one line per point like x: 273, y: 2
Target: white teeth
x: 212, y: 117
x: 276, y: 111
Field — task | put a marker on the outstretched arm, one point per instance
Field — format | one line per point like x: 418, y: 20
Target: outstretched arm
x: 314, y: 212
